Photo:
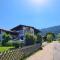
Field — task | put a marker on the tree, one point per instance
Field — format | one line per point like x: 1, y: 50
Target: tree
x: 30, y: 39
x: 39, y: 39
x: 6, y: 38
x: 17, y: 44
x: 50, y: 36
x: 44, y: 39
x: 58, y: 37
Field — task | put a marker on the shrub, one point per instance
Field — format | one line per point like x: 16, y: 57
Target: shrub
x: 58, y: 37
x: 10, y: 43
x: 39, y: 39
x: 30, y: 39
x: 21, y: 44
x: 0, y: 44
x: 50, y: 37
x: 6, y: 38
x: 16, y: 43
x: 44, y: 39
x: 4, y: 42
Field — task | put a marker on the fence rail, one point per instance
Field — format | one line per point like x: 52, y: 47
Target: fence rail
x: 18, y: 54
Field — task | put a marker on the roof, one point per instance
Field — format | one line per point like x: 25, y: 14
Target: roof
x: 12, y: 32
x: 21, y: 26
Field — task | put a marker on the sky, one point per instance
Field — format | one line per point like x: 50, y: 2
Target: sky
x: 37, y: 13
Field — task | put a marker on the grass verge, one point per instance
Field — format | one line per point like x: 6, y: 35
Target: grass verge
x: 2, y: 48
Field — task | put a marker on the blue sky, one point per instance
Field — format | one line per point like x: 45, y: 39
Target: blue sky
x: 37, y: 13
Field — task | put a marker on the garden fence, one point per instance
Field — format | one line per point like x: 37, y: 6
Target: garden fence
x: 20, y: 53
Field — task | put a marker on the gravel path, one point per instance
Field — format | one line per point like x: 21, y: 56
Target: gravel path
x: 49, y: 52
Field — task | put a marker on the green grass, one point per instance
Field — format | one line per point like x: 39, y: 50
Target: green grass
x: 2, y: 49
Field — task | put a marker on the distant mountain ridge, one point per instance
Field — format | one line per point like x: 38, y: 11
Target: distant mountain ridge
x: 54, y: 29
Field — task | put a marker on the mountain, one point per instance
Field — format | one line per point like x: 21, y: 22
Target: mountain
x: 55, y: 30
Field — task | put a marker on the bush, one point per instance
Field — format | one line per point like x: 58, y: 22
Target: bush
x: 39, y: 39
x: 4, y: 42
x: 58, y: 39
x: 6, y: 38
x: 16, y: 43
x: 10, y: 43
x: 30, y: 39
x: 0, y: 44
x: 50, y: 37
x: 44, y: 38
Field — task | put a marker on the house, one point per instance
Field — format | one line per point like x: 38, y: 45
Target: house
x: 22, y: 29
x: 14, y: 35
x: 19, y: 31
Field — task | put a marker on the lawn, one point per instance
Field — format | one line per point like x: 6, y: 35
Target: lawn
x: 2, y: 49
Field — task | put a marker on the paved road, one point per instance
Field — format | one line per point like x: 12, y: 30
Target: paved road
x: 56, y: 51
x: 49, y: 52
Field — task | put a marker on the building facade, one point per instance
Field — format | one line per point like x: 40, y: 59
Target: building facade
x: 18, y: 32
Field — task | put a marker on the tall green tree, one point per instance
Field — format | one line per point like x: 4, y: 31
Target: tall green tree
x: 50, y: 36
x: 6, y: 38
x: 39, y: 39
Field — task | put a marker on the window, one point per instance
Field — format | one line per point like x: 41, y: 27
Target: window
x: 21, y: 32
x: 21, y: 37
x: 0, y: 31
